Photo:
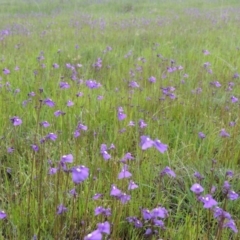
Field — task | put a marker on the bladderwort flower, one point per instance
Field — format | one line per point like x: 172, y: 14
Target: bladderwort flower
x: 115, y: 192
x: 61, y: 209
x: 95, y: 235
x: 3, y: 215
x: 201, y: 135
x: 6, y: 71
x: 198, y: 176
x: 168, y: 171
x: 104, y: 227
x: 161, y: 147
x: 35, y: 147
x: 52, y: 171
x: 55, y: 65
x: 16, y: 121
x: 44, y: 124
x: 128, y: 156
x: 234, y: 99
x: 124, y: 173
x: 70, y: 103
x: 79, y: 174
x: 51, y: 136
x: 132, y: 185
x: 64, y: 85
x: 146, y: 142
x: 197, y: 189
x: 67, y: 158
x: 223, y: 133
x: 152, y: 79
x: 124, y: 198
x: 230, y: 224
x: 49, y: 102
x: 59, y: 113
x: 142, y: 124
x: 104, y: 211
x: 209, y: 201
x: 97, y: 196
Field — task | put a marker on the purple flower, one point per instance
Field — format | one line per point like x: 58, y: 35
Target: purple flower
x: 146, y: 142
x: 73, y: 192
x: 131, y: 123
x: 124, y: 198
x: 205, y: 52
x: 101, y: 210
x: 16, y: 121
x: 216, y: 84
x: 80, y: 94
x: 67, y: 158
x: 44, y: 124
x: 95, y: 235
x: 234, y: 99
x: 197, y: 188
x: 64, y: 85
x: 133, y: 84
x: 226, y: 187
x: 76, y: 133
x: 132, y: 185
x: 232, y: 195
x: 10, y: 150
x: 49, y: 102
x: 52, y: 136
x: 31, y: 94
x: 104, y: 227
x: 58, y: 113
x: 198, y: 176
x: 209, y: 201
x: 55, y: 65
x: 82, y: 127
x: 61, y: 209
x: 159, y: 212
x: 160, y: 146
x: 6, y: 71
x: 223, y: 133
x: 128, y: 156
x: 229, y: 173
x: 97, y: 196
x: 92, y: 84
x: 231, y: 224
x: 79, y: 174
x: 106, y: 155
x: 121, y: 116
x: 70, y: 103
x: 3, y: 215
x: 124, y: 173
x: 168, y: 171
x: 146, y: 214
x: 158, y: 223
x: 115, y: 192
x: 201, y: 135
x: 35, y: 147
x: 142, y: 124
x: 152, y: 79
x: 52, y: 171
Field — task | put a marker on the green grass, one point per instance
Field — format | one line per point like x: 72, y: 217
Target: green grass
x: 173, y: 30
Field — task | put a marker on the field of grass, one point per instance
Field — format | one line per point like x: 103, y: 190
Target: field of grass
x: 119, y: 119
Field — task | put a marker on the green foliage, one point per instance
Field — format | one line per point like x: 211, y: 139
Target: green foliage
x: 158, y: 31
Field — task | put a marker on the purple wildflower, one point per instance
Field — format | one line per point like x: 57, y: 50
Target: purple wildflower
x: 67, y: 158
x: 35, y: 147
x: 152, y: 79
x: 124, y: 173
x: 61, y: 209
x: 55, y: 65
x: 160, y: 146
x: 209, y: 201
x: 128, y: 156
x: 197, y: 188
x: 6, y: 71
x: 234, y: 99
x: 52, y: 171
x: 115, y: 191
x: 82, y: 127
x: 132, y: 185
x: 70, y: 103
x: 159, y: 212
x: 64, y: 85
x: 16, y: 121
x: 95, y: 235
x: 232, y: 195
x: 124, y: 198
x: 52, y: 136
x: 168, y: 171
x: 79, y: 174
x: 146, y: 142
x: 198, y: 176
x: 10, y: 149
x: 231, y: 224
x: 44, y: 124
x: 49, y: 102
x: 142, y: 124
x: 224, y: 133
x: 3, y: 215
x: 97, y: 196
x: 201, y: 135
x: 59, y: 113
x: 104, y: 227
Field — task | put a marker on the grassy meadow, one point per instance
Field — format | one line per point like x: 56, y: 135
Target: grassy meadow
x: 119, y: 119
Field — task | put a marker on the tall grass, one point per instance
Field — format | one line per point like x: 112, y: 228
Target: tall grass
x: 147, y: 38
